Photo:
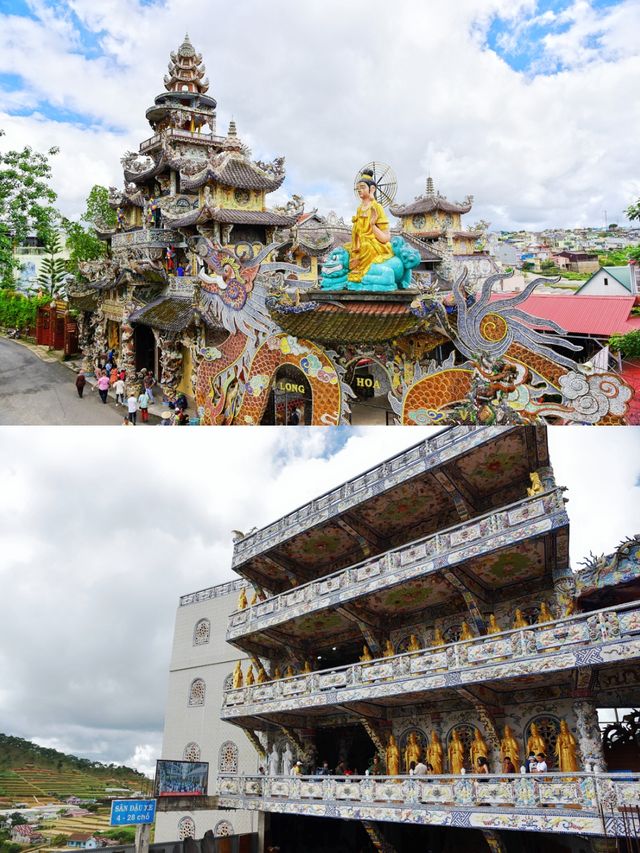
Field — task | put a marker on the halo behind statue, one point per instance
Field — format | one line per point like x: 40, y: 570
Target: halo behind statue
x: 385, y: 179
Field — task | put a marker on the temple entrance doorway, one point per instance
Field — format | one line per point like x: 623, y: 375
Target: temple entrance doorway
x: 348, y: 744
x: 145, y: 344
x: 369, y: 381
x: 290, y: 398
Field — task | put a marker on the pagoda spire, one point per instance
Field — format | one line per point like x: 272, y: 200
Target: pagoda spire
x: 186, y: 70
x: 430, y: 187
x: 232, y: 133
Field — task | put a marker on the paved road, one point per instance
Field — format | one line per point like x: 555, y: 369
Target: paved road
x: 39, y: 393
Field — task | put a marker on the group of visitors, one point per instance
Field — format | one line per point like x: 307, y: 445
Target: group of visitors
x: 108, y: 376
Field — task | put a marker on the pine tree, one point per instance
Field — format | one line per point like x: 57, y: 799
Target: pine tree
x: 53, y: 270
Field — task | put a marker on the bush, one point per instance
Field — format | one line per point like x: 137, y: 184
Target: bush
x: 628, y: 345
x: 18, y: 311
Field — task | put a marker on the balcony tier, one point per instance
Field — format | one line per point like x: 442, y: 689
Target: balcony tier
x: 576, y: 803
x: 149, y: 237
x: 459, y: 474
x: 542, y: 656
x: 492, y: 556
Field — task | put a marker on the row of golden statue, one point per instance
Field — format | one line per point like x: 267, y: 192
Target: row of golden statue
x: 260, y: 676
x: 243, y: 603
x: 565, y: 752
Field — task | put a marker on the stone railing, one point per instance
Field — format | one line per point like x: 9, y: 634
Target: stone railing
x: 488, y: 532
x: 585, y: 803
x: 603, y: 636
x: 146, y: 236
x: 177, y: 133
x: 212, y: 592
x: 434, y: 451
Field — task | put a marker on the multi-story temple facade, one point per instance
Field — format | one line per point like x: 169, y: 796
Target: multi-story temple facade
x: 426, y: 611
x: 260, y: 313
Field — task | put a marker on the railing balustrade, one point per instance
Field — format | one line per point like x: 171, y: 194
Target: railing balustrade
x: 414, y: 559
x: 589, y: 803
x: 579, y: 640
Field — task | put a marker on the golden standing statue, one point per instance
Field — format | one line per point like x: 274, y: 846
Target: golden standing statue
x: 262, y: 675
x: 249, y: 678
x: 456, y: 753
x: 435, y: 752
x: 307, y: 667
x: 388, y: 651
x: 438, y: 639
x: 414, y: 644
x: 242, y: 599
x: 366, y: 654
x: 492, y: 625
x: 518, y: 620
x: 412, y: 751
x: 545, y: 614
x: 479, y: 749
x: 536, y: 742
x: 393, y: 757
x: 566, y: 750
x: 237, y: 675
x: 536, y: 484
x: 289, y: 672
x: 277, y: 673
x: 371, y: 234
x: 465, y: 631
x: 509, y: 747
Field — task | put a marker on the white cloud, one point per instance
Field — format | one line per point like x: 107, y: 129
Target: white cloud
x: 331, y: 87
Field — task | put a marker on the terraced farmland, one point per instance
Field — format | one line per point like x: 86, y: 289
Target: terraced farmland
x: 46, y: 784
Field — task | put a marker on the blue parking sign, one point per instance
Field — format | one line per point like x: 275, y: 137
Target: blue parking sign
x: 132, y: 812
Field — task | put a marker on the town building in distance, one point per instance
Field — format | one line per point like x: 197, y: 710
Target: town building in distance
x: 425, y: 611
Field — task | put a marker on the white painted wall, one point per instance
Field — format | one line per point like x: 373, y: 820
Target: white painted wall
x: 603, y: 284
x: 183, y: 724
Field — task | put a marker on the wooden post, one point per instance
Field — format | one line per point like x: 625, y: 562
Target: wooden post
x: 143, y: 832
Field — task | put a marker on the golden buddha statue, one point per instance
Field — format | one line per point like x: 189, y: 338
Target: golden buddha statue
x: 371, y: 234
x: 366, y: 654
x: 242, y: 599
x: 237, y: 675
x: 570, y: 607
x: 566, y: 750
x: 307, y: 667
x: 254, y: 598
x: 492, y: 625
x: 465, y: 631
x: 536, y: 742
x: 545, y: 614
x: 262, y: 675
x: 414, y: 644
x: 249, y: 678
x: 519, y: 621
x: 536, y: 484
x: 388, y: 650
x: 289, y: 672
x: 479, y: 749
x: 277, y: 673
x: 438, y: 639
x: 509, y: 747
x: 435, y: 753
x: 392, y: 757
x: 456, y: 753
x: 412, y: 751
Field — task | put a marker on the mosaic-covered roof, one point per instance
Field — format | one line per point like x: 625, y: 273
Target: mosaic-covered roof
x: 234, y: 170
x: 430, y: 202
x: 170, y: 314
x: 229, y: 215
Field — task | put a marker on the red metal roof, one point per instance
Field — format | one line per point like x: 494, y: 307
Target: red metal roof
x: 582, y: 315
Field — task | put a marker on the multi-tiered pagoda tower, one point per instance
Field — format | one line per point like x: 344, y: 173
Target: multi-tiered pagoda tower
x: 426, y: 610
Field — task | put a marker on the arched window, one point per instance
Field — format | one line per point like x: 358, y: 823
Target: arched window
x: 191, y: 752
x: 228, y: 682
x: 223, y: 827
x: 196, y: 692
x: 186, y: 828
x: 549, y: 728
x: 201, y: 632
x: 228, y: 757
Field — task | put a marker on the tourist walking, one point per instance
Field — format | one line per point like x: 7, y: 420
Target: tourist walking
x: 118, y: 387
x: 148, y: 383
x: 103, y: 386
x: 143, y: 405
x: 132, y: 407
x: 81, y: 381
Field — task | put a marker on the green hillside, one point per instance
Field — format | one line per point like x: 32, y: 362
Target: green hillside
x: 31, y: 771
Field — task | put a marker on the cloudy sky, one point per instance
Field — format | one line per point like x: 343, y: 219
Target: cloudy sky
x: 100, y: 535
x: 527, y: 104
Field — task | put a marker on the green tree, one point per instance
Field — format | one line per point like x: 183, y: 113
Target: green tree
x: 633, y: 211
x: 83, y: 243
x: 628, y: 345
x: 26, y: 203
x: 53, y: 270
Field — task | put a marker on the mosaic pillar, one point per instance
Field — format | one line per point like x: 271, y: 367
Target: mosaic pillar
x: 547, y: 477
x: 84, y: 341
x: 127, y: 356
x: 171, y: 362
x: 494, y: 841
x: 589, y: 737
x: 564, y: 589
x: 99, y: 348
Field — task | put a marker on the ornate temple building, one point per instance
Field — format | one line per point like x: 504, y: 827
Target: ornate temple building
x: 276, y: 315
x: 425, y: 611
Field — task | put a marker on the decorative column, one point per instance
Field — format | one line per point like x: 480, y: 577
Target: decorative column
x: 84, y: 341
x: 99, y: 348
x: 494, y: 841
x: 547, y: 477
x: 564, y: 588
x: 127, y: 344
x: 171, y: 362
x: 589, y: 737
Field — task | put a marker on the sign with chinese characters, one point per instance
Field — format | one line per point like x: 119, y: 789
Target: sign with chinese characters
x: 132, y: 812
